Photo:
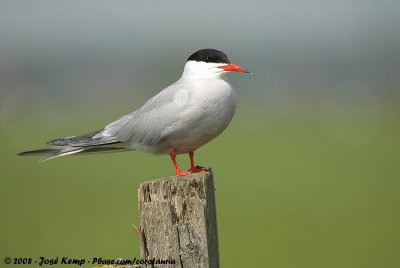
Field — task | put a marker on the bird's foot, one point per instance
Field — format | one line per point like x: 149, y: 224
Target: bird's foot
x: 198, y: 169
x: 183, y: 173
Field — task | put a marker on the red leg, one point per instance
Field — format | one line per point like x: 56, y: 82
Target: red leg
x: 192, y: 166
x: 178, y: 171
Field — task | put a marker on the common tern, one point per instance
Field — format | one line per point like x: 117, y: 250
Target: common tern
x: 178, y: 120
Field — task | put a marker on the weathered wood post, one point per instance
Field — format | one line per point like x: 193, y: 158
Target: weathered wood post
x: 178, y: 221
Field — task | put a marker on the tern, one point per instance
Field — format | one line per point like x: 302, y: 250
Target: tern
x: 178, y: 120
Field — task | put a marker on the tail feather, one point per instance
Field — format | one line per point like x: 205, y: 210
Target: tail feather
x: 64, y: 151
x: 48, y: 151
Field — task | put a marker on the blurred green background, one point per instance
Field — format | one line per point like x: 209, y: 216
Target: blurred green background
x: 307, y: 174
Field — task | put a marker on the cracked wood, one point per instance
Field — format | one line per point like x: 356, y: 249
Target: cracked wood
x: 178, y: 221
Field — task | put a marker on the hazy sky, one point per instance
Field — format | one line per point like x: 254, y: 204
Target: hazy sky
x: 292, y: 43
x: 256, y: 25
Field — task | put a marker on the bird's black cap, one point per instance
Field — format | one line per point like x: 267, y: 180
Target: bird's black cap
x: 209, y: 55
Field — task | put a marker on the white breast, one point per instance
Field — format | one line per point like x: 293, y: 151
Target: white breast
x: 209, y: 107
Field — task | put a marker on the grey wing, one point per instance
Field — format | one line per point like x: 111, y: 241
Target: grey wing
x: 149, y: 125
x: 85, y: 140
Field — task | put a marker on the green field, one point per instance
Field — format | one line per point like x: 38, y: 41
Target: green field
x: 297, y: 190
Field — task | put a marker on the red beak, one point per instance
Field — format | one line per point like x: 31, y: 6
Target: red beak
x: 233, y: 67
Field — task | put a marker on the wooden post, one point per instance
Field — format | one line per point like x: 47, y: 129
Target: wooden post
x: 178, y: 221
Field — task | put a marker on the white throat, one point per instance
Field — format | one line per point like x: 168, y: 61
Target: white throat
x: 204, y: 70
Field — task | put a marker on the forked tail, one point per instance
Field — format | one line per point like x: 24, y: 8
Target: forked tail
x: 52, y: 153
